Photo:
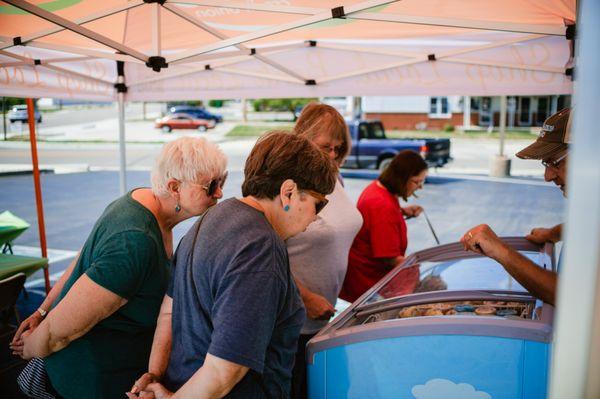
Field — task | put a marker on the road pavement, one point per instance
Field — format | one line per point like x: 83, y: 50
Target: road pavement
x: 73, y: 202
x: 470, y: 156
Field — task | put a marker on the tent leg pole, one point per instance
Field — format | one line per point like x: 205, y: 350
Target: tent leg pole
x: 244, y: 110
x: 575, y: 364
x: 38, y: 188
x: 4, y: 115
x: 500, y: 164
x: 122, y: 154
x: 502, y: 124
x: 466, y: 112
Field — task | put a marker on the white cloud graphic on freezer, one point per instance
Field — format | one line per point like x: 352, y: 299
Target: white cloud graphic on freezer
x: 439, y: 388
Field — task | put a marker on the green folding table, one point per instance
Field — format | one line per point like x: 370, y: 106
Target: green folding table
x: 11, y: 227
x: 13, y: 264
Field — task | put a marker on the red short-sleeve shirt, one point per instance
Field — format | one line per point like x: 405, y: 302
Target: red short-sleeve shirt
x: 383, y: 235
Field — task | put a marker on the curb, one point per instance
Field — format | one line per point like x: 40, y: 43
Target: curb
x: 24, y: 172
x: 373, y: 174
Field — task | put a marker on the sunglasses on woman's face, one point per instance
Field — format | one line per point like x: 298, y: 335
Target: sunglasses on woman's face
x: 211, y: 188
x: 321, y: 200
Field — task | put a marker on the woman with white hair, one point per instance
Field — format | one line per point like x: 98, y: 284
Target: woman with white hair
x: 94, y: 330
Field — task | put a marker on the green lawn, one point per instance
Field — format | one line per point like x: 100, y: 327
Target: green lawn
x: 255, y: 130
x: 475, y: 134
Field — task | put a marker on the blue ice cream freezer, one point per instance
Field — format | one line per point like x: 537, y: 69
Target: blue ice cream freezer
x: 444, y: 324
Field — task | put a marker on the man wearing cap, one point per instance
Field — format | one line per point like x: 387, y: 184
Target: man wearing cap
x: 552, y: 148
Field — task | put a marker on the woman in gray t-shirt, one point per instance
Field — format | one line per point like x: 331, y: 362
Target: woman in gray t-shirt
x: 319, y: 255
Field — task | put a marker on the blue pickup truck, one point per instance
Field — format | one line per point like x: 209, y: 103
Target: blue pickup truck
x: 371, y: 149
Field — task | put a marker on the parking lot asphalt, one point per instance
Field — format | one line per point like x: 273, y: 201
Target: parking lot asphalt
x: 73, y: 202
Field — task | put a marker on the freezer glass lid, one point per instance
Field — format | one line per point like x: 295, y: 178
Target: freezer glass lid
x: 472, y: 273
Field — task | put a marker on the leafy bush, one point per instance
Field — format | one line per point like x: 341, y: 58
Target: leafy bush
x: 448, y: 128
x: 280, y: 104
x: 254, y: 130
x: 215, y: 103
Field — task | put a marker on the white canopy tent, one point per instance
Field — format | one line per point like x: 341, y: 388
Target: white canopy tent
x: 309, y: 48
x: 133, y: 50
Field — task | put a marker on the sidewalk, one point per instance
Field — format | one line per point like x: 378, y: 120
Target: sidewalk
x: 107, y: 131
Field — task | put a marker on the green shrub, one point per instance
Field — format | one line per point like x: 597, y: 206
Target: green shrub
x: 279, y: 104
x: 448, y: 128
x: 254, y: 130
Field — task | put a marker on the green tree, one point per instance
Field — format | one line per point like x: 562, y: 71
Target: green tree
x: 280, y: 104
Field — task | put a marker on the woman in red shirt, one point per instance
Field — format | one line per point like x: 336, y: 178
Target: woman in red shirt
x: 381, y: 242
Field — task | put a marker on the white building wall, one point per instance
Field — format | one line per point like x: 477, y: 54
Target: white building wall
x: 405, y: 104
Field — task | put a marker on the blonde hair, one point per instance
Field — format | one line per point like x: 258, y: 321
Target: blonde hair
x: 317, y: 119
x: 189, y: 159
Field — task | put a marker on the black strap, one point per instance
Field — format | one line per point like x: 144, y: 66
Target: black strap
x: 196, y: 237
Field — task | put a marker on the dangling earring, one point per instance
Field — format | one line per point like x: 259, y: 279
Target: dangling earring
x: 286, y: 208
x: 177, y: 208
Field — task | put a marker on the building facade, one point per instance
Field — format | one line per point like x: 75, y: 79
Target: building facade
x: 437, y: 113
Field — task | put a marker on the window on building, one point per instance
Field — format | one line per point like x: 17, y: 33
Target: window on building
x: 439, y: 107
x: 524, y: 111
x: 563, y: 102
x: 543, y: 110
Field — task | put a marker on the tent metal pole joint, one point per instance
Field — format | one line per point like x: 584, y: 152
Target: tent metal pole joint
x: 17, y: 41
x: 571, y: 32
x: 338, y: 12
x: 252, y: 51
x: 121, y: 87
x: 310, y: 82
x: 37, y: 62
x: 157, y: 63
x: 431, y: 57
x: 161, y: 2
x: 570, y: 72
x: 207, y: 67
x: 312, y: 43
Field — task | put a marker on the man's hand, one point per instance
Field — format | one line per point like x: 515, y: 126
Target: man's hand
x: 141, y: 383
x: 154, y: 390
x: 541, y: 235
x: 484, y: 241
x: 412, y: 211
x: 29, y: 324
x: 317, y: 307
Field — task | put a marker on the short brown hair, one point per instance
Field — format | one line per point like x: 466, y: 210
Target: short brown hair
x: 406, y: 164
x: 278, y: 156
x: 317, y: 119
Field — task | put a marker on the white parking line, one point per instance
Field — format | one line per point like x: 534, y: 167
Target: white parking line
x: 54, y: 255
x: 40, y: 281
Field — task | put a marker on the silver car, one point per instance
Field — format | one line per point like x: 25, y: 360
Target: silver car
x: 19, y: 113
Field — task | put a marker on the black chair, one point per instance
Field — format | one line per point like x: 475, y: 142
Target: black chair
x: 10, y: 288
